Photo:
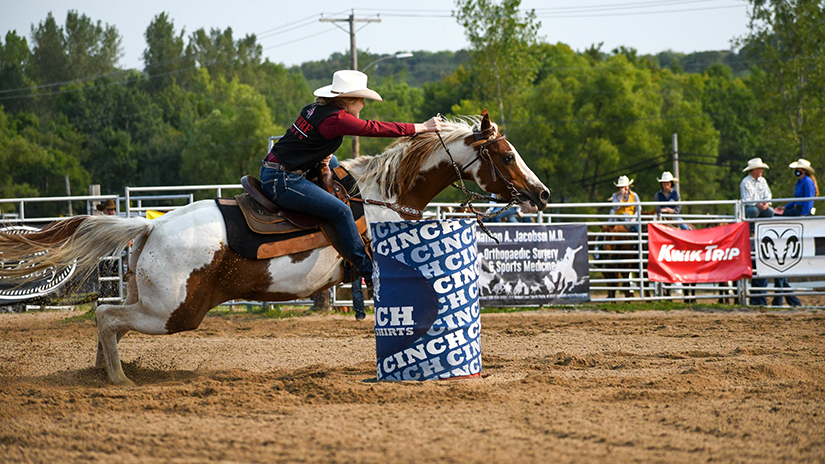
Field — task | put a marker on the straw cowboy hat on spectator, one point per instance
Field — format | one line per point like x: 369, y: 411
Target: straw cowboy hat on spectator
x: 623, y: 182
x: 348, y: 83
x: 755, y: 163
x: 802, y: 164
x: 668, y: 177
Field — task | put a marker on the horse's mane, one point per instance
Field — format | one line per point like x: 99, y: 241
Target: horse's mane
x: 396, y: 169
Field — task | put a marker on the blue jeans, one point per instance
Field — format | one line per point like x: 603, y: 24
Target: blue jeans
x: 508, y: 215
x: 751, y: 211
x: 293, y: 191
x: 357, y: 296
x: 777, y: 298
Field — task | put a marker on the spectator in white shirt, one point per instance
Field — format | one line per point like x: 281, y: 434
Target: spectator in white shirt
x: 755, y: 187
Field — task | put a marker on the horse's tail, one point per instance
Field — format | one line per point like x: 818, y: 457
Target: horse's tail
x: 81, y: 240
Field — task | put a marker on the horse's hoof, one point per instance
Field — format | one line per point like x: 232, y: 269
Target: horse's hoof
x: 124, y: 382
x: 360, y: 315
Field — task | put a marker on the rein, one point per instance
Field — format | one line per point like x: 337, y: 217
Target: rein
x: 482, y: 153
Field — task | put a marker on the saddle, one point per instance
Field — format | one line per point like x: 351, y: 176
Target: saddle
x: 257, y: 228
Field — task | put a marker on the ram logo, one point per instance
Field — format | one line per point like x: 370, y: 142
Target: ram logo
x: 779, y: 245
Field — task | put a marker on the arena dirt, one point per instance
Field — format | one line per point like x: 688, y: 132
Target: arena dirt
x: 557, y: 386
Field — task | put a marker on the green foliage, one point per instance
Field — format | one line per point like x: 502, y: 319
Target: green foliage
x: 785, y: 44
x: 227, y: 138
x: 36, y: 159
x: 14, y: 83
x: 500, y: 37
x: 165, y: 63
x: 204, y: 105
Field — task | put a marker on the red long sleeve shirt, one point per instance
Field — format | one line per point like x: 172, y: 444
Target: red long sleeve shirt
x: 342, y: 123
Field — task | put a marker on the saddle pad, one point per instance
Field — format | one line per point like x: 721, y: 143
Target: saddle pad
x: 252, y: 245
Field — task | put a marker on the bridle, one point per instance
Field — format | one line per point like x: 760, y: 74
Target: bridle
x: 482, y: 153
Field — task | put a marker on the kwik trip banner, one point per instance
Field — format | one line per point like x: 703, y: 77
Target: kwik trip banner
x: 717, y: 254
x: 533, y: 265
x: 787, y: 247
x: 427, y: 323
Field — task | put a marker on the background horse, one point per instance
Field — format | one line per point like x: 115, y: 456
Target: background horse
x: 611, y: 248
x: 181, y: 263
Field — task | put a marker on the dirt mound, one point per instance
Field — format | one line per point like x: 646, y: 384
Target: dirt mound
x: 555, y: 386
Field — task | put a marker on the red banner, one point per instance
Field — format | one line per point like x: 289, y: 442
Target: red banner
x: 718, y: 254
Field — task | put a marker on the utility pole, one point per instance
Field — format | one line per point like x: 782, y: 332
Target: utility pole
x: 353, y: 53
x: 676, y: 165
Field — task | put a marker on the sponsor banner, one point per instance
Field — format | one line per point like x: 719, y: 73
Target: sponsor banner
x: 788, y: 247
x: 427, y: 323
x: 717, y: 254
x: 533, y: 265
x: 33, y: 285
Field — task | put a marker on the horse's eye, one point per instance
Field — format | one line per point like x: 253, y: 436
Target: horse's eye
x: 509, y: 159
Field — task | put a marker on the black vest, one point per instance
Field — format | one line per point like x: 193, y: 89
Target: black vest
x: 302, y: 147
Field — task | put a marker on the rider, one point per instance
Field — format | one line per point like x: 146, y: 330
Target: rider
x: 314, y: 136
x: 624, y: 200
x: 668, y: 194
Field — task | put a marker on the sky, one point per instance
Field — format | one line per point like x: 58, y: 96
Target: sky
x: 291, y: 32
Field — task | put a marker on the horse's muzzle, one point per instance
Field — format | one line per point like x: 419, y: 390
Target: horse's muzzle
x: 534, y: 201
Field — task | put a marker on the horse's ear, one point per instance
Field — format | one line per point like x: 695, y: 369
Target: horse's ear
x: 485, y: 121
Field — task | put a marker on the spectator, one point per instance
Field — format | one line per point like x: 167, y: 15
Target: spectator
x: 755, y: 187
x: 669, y: 194
x: 624, y: 200
x: 108, y: 207
x: 508, y: 215
x: 512, y: 214
x: 805, y: 188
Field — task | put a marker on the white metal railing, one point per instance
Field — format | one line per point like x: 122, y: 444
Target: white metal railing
x: 593, y: 215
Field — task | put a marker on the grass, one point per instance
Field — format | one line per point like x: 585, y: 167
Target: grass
x: 86, y: 312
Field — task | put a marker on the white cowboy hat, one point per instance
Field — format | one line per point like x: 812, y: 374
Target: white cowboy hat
x: 668, y: 177
x: 803, y: 164
x: 623, y: 182
x: 755, y: 163
x: 348, y: 83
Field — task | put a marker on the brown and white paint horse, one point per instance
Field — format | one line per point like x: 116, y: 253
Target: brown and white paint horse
x: 182, y: 266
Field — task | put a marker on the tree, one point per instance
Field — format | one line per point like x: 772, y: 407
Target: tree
x: 227, y: 140
x: 91, y: 48
x: 164, y: 59
x: 14, y: 84
x: 731, y: 104
x: 49, y: 57
x: 36, y: 160
x: 223, y: 57
x: 81, y: 50
x: 500, y: 59
x: 785, y: 39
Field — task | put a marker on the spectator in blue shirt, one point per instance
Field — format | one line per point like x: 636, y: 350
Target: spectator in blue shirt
x: 669, y: 194
x: 805, y: 188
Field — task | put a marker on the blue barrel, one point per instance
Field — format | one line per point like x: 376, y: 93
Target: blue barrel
x: 427, y: 323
